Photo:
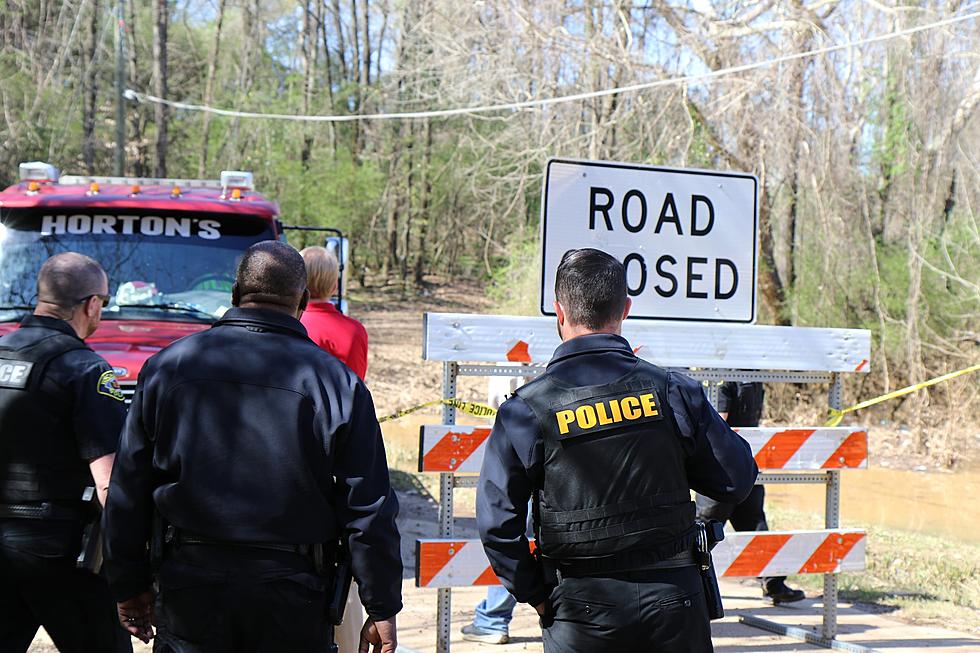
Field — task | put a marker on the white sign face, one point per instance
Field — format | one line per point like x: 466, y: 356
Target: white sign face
x: 687, y: 237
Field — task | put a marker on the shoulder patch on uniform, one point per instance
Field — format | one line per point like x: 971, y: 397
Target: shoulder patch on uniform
x: 109, y: 386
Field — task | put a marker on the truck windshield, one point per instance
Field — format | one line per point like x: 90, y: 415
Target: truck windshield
x: 161, y: 265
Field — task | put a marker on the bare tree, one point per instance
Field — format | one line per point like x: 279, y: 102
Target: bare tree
x: 161, y: 19
x: 209, y: 88
x: 91, y: 90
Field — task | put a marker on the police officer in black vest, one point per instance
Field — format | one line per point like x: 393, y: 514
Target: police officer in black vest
x: 740, y: 404
x: 256, y: 450
x: 61, y: 412
x: 610, y: 447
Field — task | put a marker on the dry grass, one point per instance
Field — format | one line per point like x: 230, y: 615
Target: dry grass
x: 917, y: 578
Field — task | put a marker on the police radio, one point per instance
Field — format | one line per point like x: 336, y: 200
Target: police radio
x: 708, y: 535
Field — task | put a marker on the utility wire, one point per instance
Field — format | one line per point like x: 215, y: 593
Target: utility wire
x: 130, y: 94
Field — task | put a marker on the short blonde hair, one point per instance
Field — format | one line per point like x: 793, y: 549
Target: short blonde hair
x: 322, y: 270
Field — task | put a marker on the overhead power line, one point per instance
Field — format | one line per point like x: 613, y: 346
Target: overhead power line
x: 575, y: 97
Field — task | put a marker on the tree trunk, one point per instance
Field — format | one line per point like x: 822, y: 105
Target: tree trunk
x: 381, y: 40
x: 399, y: 200
x: 137, y: 115
x: 410, y: 213
x: 366, y: 47
x: 913, y: 341
x: 341, y: 44
x: 424, y: 210
x: 797, y: 86
x: 209, y: 88
x: 251, y: 29
x: 391, y: 253
x: 770, y: 284
x: 91, y: 92
x: 309, y: 70
x: 391, y: 226
x: 161, y: 17
x: 892, y: 139
x: 595, y: 75
x: 328, y: 68
x: 356, y: 76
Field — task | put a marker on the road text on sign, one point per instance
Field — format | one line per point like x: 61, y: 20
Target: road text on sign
x: 687, y: 237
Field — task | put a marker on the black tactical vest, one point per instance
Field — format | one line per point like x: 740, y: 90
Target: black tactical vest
x: 38, y: 459
x: 614, y: 475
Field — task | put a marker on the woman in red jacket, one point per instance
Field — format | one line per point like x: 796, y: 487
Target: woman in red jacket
x: 347, y: 339
x: 342, y: 336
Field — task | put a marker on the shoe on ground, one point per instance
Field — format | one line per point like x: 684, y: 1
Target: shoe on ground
x: 473, y: 633
x: 779, y: 592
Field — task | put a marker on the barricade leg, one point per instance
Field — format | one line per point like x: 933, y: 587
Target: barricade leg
x: 828, y: 629
x: 711, y: 390
x: 804, y: 634
x: 444, y: 621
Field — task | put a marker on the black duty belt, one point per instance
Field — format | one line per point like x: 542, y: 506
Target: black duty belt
x: 178, y: 538
x: 41, y: 511
x: 602, y: 566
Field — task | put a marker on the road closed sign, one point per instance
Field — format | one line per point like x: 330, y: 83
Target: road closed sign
x: 688, y: 238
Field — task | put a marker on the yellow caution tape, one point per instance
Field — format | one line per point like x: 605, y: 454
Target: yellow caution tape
x: 482, y: 410
x: 469, y: 407
x: 837, y: 415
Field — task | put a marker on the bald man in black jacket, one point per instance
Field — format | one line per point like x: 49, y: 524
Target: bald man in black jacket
x: 254, y: 446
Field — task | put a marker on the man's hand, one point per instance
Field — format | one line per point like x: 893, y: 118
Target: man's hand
x: 379, y: 634
x: 136, y: 616
x: 546, y: 615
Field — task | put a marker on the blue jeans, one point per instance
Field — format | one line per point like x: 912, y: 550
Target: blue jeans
x: 495, y: 612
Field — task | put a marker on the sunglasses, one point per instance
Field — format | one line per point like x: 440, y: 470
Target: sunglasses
x: 104, y: 298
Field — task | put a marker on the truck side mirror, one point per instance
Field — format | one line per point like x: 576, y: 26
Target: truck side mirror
x: 340, y: 246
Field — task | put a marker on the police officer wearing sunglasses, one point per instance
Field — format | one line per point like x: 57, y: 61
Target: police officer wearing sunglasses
x: 609, y: 447
x: 61, y: 411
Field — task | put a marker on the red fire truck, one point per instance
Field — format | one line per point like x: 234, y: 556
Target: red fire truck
x: 169, y: 246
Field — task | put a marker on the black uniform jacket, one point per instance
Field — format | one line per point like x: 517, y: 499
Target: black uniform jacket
x: 719, y: 462
x: 249, y: 432
x: 82, y: 381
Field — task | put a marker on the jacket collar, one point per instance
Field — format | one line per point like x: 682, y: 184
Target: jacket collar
x: 46, y: 322
x: 325, y: 306
x: 262, y: 318
x: 591, y: 344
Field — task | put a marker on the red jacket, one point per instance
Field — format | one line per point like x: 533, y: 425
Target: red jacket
x: 342, y: 336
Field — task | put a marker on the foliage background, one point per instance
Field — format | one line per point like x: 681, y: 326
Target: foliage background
x: 867, y: 157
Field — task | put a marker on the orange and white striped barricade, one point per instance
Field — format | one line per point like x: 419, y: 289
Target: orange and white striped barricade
x: 459, y: 449
x: 463, y: 563
x: 452, y: 448
x: 491, y: 345
x: 804, y: 448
